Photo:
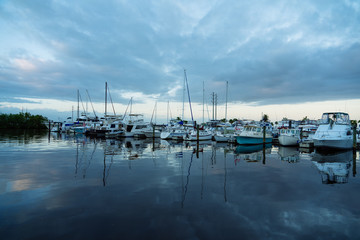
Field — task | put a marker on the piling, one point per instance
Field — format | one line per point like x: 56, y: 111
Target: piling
x: 354, y: 136
x: 153, y: 131
x: 264, y: 135
x: 197, y: 133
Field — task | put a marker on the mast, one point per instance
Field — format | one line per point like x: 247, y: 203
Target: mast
x: 167, y: 113
x: 183, y: 103
x: 105, y: 99
x: 227, y: 85
x: 78, y: 107
x: 203, y: 102
x: 112, y: 104
x: 91, y: 103
x: 187, y: 86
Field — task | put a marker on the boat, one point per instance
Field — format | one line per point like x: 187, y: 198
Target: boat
x: 334, y: 131
x: 114, y: 129
x: 253, y: 134
x: 135, y: 126
x: 289, y: 137
x: 193, y: 135
x: 151, y: 132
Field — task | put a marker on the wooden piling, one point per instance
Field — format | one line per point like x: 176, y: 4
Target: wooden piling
x: 354, y: 136
x: 197, y: 133
x: 264, y: 134
x: 153, y: 131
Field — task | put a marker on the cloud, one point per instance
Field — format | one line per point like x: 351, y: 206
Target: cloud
x: 270, y: 52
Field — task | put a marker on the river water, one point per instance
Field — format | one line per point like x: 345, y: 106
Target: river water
x: 72, y: 187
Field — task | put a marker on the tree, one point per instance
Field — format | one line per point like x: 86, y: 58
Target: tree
x: 22, y: 121
x: 265, y: 118
x: 233, y: 120
x: 305, y: 119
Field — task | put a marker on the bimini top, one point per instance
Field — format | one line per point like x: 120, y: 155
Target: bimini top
x: 335, y: 117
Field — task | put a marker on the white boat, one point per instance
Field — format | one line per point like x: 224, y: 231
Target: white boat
x: 134, y: 126
x: 150, y: 132
x: 253, y: 135
x: 334, y: 131
x: 289, y: 137
x: 174, y: 133
x: 193, y: 136
x: 114, y: 129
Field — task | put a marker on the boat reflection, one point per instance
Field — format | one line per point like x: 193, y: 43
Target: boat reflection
x: 289, y: 154
x: 252, y: 153
x: 334, y: 167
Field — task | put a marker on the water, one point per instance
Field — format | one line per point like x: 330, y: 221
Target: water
x: 67, y: 187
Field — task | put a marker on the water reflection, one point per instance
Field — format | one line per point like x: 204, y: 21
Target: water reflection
x: 252, y: 153
x: 289, y: 154
x: 117, y: 184
x: 334, y: 167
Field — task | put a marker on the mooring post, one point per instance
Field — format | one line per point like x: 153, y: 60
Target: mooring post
x: 264, y: 135
x: 354, y: 136
x: 153, y: 131
x: 354, y: 163
x: 197, y: 133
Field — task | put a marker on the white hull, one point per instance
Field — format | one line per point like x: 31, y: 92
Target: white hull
x: 334, y: 143
x: 285, y: 140
x: 224, y: 138
x: 165, y: 135
x: 194, y: 138
x: 150, y: 134
x: 334, y: 131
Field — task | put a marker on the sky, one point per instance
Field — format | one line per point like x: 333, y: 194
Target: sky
x: 281, y: 58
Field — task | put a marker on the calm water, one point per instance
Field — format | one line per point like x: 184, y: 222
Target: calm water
x: 66, y: 187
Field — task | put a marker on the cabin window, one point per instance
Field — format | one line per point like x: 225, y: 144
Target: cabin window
x: 129, y: 127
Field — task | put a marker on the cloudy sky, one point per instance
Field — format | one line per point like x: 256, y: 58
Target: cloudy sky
x: 283, y: 58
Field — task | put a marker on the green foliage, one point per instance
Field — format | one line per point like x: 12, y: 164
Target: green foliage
x: 232, y: 120
x: 353, y: 122
x: 265, y: 118
x: 22, y: 121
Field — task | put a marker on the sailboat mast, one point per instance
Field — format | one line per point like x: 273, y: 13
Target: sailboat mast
x: 187, y: 86
x: 91, y: 103
x: 227, y: 85
x: 78, y: 106
x: 105, y: 99
x: 203, y: 102
x: 167, y: 113
x: 183, y: 103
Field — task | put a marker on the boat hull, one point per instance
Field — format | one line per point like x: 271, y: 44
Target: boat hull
x: 333, y: 143
x: 285, y: 140
x: 246, y: 140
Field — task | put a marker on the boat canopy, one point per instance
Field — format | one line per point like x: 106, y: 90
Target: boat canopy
x: 336, y: 117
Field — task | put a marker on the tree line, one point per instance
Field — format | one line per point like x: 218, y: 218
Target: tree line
x: 22, y: 121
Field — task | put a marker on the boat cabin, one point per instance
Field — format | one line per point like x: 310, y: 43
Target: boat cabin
x: 335, y: 117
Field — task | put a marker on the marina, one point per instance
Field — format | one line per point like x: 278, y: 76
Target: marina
x: 57, y: 185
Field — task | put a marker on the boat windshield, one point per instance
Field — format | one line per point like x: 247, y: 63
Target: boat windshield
x: 338, y: 118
